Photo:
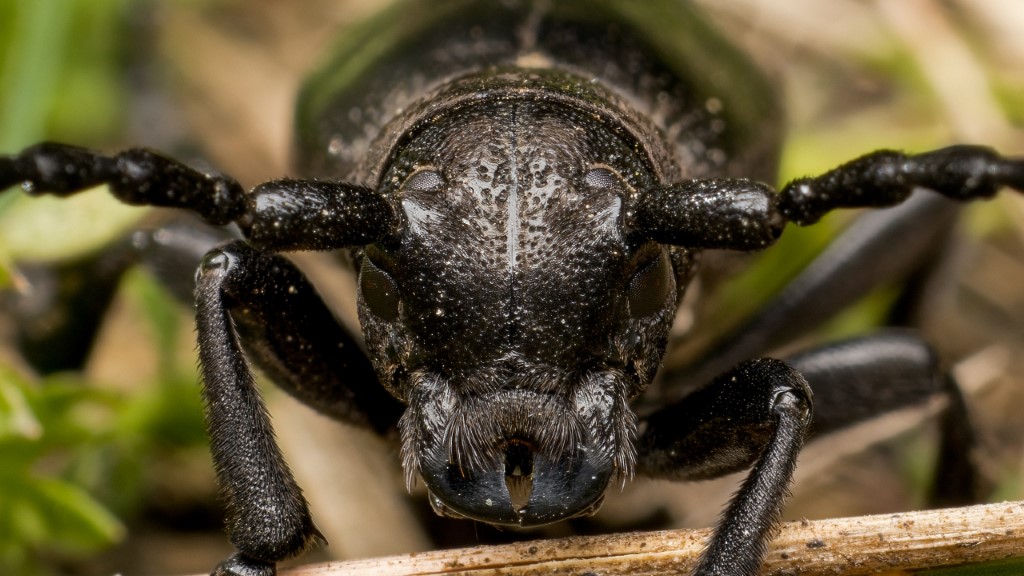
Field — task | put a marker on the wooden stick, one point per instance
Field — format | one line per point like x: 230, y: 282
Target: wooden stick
x: 888, y: 543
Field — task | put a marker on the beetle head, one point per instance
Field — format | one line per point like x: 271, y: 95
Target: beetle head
x: 512, y: 311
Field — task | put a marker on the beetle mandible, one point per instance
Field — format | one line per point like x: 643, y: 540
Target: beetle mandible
x: 525, y: 187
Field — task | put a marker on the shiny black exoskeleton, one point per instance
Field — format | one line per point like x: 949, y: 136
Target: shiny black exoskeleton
x: 526, y: 187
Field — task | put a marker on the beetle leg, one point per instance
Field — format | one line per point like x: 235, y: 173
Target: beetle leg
x: 864, y: 377
x: 251, y: 470
x: 292, y: 336
x: 247, y: 297
x: 766, y: 407
x: 860, y: 259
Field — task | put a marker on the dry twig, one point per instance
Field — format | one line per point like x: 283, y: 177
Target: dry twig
x: 890, y: 543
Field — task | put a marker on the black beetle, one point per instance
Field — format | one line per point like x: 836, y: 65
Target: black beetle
x: 541, y: 192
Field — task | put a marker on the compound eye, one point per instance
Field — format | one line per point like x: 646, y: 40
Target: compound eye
x: 425, y: 181
x: 602, y: 178
x: 649, y: 287
x: 380, y: 291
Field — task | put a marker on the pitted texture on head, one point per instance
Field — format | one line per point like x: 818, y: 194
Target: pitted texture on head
x: 513, y: 311
x: 516, y: 247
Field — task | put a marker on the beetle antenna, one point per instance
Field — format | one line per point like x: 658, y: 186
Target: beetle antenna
x: 726, y: 213
x: 293, y: 214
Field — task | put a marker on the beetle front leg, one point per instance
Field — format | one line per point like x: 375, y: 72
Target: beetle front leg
x: 864, y: 377
x: 291, y: 335
x: 765, y: 405
x: 267, y: 517
x: 247, y: 299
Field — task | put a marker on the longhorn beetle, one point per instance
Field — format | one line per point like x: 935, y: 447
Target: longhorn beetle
x: 525, y: 189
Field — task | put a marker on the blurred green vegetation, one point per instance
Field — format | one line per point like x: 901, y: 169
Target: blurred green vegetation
x: 62, y: 65
x: 61, y: 68
x: 74, y: 453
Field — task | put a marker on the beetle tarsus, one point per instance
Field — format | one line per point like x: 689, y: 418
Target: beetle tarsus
x: 241, y: 565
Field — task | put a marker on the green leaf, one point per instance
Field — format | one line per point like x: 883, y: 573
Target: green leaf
x: 85, y: 222
x: 16, y: 416
x: 70, y: 519
x: 7, y: 272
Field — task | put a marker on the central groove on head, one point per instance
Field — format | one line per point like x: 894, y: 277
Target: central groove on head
x: 512, y: 221
x: 519, y: 473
